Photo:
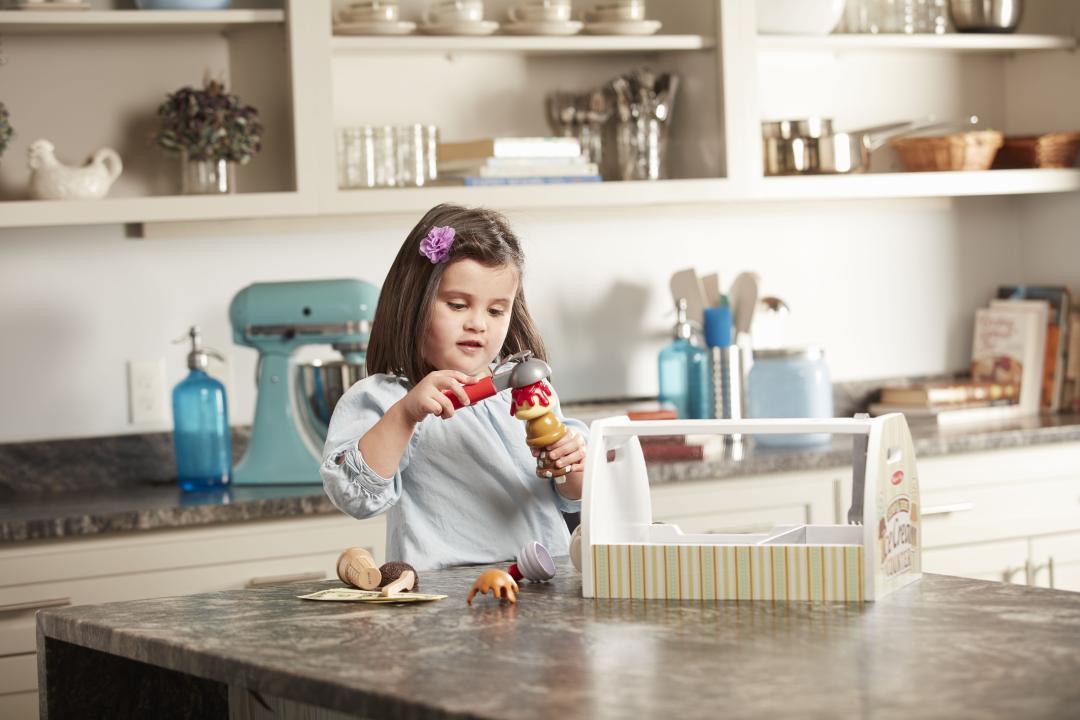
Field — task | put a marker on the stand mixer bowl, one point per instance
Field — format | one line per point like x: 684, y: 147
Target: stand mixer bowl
x: 319, y: 385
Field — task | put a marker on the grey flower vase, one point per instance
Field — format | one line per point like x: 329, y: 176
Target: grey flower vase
x: 206, y: 177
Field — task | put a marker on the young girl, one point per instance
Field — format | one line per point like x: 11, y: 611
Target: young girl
x: 460, y: 486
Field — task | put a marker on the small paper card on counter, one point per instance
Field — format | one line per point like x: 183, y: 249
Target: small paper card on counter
x: 368, y: 596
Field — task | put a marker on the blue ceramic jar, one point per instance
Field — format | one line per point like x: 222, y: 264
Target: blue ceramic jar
x: 790, y: 383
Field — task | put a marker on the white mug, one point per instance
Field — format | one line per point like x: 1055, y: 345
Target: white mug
x: 621, y: 11
x: 454, y: 11
x: 540, y: 11
x: 371, y: 11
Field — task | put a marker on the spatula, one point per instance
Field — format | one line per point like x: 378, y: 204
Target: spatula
x: 743, y: 294
x: 711, y: 285
x: 686, y: 284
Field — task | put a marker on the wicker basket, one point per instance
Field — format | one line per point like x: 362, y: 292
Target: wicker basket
x: 973, y: 150
x: 1052, y: 150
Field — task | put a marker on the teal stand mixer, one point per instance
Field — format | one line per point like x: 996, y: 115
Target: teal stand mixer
x: 295, y: 400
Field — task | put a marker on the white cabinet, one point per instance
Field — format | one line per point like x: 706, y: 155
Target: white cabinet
x: 1006, y: 515
x: 132, y: 566
x: 750, y: 504
x: 306, y: 83
x: 1054, y: 561
x: 998, y: 561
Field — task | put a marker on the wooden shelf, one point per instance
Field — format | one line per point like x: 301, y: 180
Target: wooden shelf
x: 343, y: 44
x: 194, y: 210
x: 38, y: 213
x: 951, y: 42
x: 31, y: 22
x: 917, y: 185
x: 567, y: 195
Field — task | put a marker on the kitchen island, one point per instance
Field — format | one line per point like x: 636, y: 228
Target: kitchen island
x: 942, y: 647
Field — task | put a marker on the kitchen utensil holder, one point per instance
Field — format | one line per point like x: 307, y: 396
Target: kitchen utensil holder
x: 624, y: 554
x: 973, y: 150
x: 641, y: 148
x: 727, y: 382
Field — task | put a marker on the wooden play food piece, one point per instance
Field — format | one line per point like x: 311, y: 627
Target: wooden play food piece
x: 356, y: 566
x: 533, y: 563
x: 406, y: 581
x: 533, y: 404
x: 498, y: 582
x: 391, y: 571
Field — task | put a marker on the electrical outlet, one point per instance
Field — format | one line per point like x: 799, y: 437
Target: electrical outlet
x: 146, y: 392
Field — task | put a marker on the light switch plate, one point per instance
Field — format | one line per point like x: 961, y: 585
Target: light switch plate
x: 147, y: 403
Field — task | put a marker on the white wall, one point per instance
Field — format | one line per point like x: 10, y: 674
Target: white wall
x: 887, y: 288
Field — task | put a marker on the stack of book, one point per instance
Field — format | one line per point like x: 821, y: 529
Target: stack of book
x: 946, y: 400
x: 516, y: 161
x: 1025, y: 358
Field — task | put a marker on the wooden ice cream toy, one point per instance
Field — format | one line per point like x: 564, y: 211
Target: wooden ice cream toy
x: 533, y: 400
x: 625, y: 555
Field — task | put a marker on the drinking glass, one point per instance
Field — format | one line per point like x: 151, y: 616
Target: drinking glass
x: 416, y: 161
x: 355, y: 155
x: 384, y: 156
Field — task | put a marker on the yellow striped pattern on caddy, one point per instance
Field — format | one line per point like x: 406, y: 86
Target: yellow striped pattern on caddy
x: 729, y: 572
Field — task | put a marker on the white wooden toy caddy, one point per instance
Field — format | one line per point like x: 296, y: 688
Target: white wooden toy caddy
x: 625, y: 555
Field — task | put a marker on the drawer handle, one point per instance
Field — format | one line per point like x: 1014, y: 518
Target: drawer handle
x: 269, y: 580
x: 948, y: 509
x: 35, y: 605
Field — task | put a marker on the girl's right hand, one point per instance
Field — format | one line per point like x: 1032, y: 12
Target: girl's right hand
x: 427, y: 397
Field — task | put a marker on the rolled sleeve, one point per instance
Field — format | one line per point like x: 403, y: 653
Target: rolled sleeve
x: 354, y: 487
x: 350, y: 483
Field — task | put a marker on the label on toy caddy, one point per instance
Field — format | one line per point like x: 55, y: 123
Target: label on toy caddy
x: 897, y: 530
x: 898, y: 536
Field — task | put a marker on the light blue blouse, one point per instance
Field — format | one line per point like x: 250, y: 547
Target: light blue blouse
x: 465, y: 491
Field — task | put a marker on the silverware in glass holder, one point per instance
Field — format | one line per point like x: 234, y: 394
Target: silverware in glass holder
x: 643, y: 101
x: 580, y: 115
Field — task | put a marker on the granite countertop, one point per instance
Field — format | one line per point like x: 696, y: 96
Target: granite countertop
x: 941, y: 647
x: 137, y: 504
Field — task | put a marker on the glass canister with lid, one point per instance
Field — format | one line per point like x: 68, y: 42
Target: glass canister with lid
x: 790, y: 383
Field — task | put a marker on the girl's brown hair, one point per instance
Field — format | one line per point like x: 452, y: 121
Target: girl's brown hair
x: 401, y: 316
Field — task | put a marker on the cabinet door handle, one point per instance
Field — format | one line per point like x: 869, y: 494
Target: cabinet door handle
x: 269, y: 580
x: 35, y: 605
x: 948, y: 509
x: 1049, y: 567
x: 1007, y: 574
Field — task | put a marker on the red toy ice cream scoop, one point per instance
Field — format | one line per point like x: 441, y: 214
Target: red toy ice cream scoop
x: 489, y: 386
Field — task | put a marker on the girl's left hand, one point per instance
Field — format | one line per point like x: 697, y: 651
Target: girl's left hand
x: 569, y: 450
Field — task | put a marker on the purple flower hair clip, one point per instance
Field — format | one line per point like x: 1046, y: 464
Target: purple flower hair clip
x: 436, y: 246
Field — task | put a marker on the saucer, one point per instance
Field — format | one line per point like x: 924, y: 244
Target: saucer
x: 544, y: 27
x: 484, y: 27
x: 374, y: 28
x: 623, y: 27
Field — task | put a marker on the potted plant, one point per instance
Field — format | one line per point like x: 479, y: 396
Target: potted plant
x: 211, y: 131
x: 6, y: 131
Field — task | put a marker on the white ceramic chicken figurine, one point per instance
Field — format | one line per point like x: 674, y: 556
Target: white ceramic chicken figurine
x: 52, y: 180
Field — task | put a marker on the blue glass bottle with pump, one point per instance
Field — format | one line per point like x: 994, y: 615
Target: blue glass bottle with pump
x: 201, y: 425
x: 685, y: 372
